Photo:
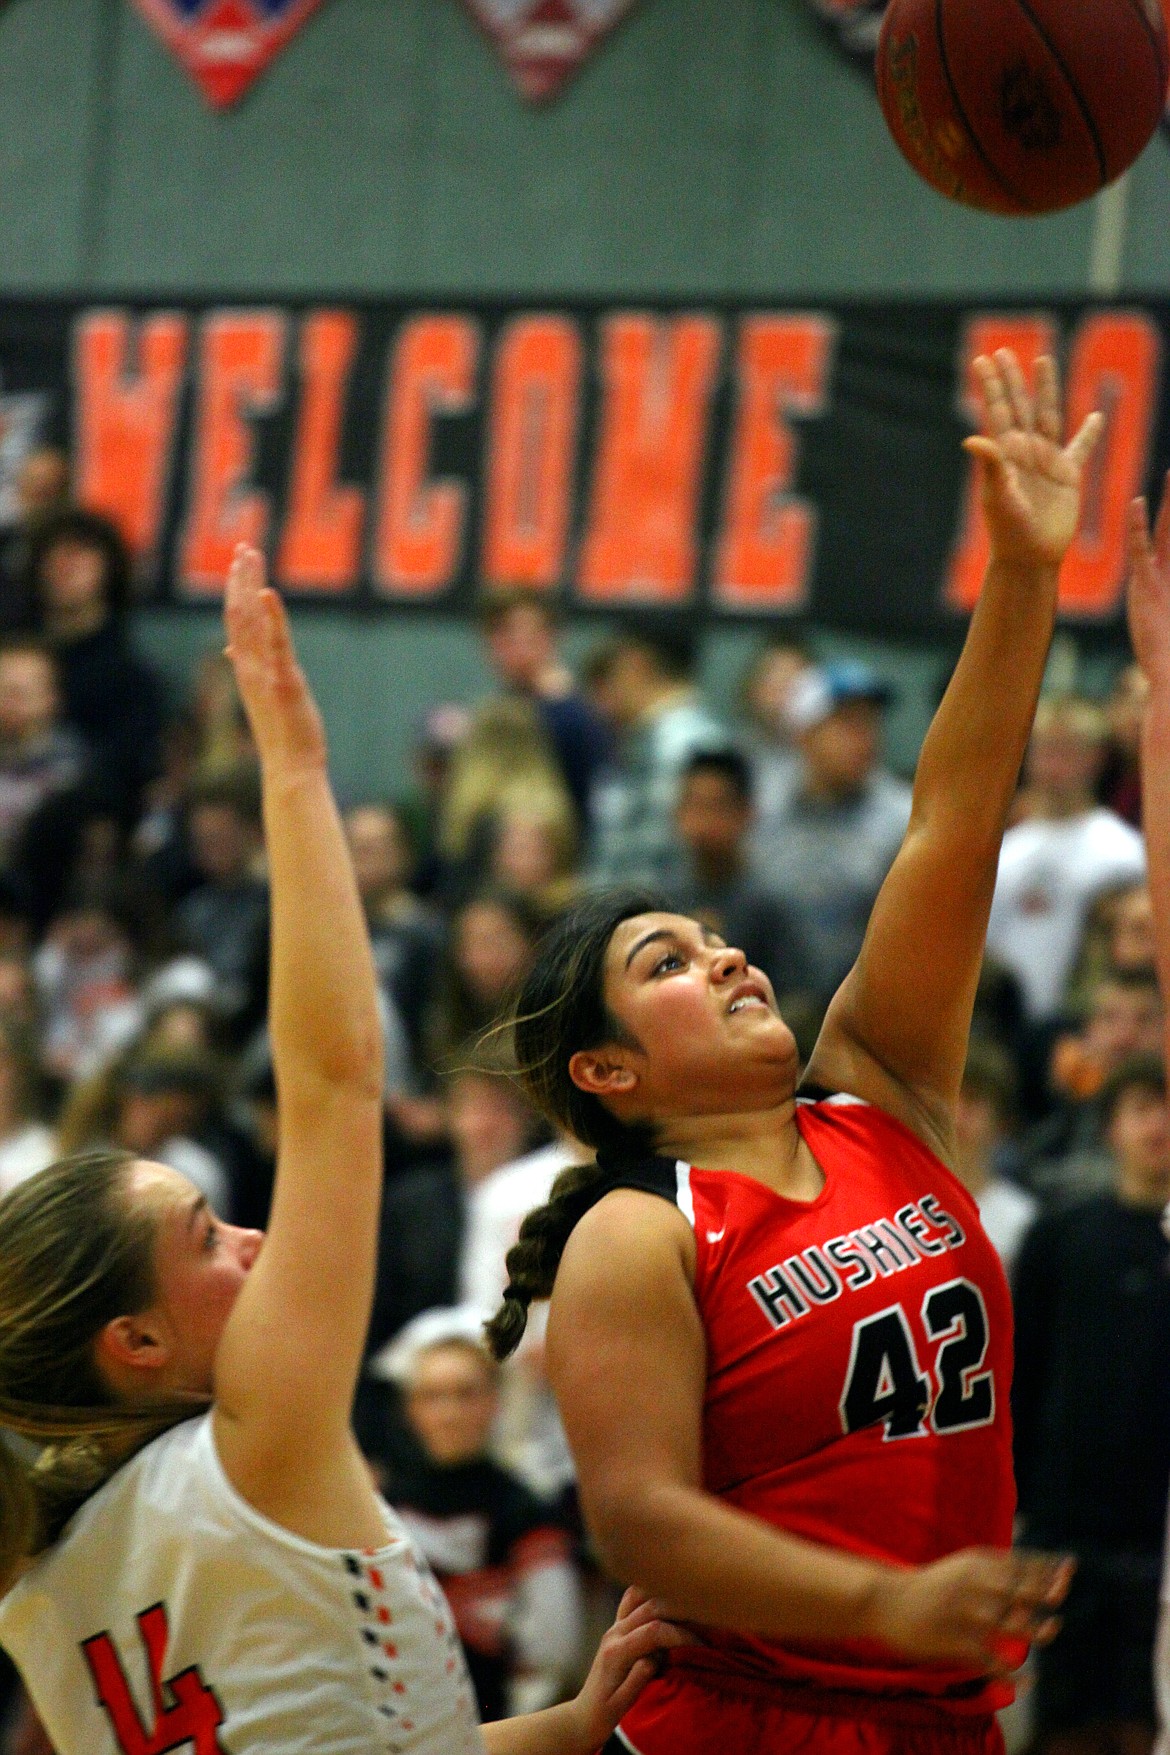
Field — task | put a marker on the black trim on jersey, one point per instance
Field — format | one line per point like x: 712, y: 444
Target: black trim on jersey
x: 815, y: 1093
x: 651, y: 1175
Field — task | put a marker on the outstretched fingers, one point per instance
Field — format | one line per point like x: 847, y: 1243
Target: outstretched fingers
x: 1015, y: 389
x: 996, y: 402
x: 631, y: 1657
x: 1048, y: 416
x: 281, y: 652
x: 242, y: 596
x: 1162, y: 528
x: 1080, y: 448
x: 1137, y: 535
x: 1034, y: 1587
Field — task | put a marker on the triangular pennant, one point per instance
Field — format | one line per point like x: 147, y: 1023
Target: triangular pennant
x: 543, y: 42
x: 856, y: 22
x: 225, y: 44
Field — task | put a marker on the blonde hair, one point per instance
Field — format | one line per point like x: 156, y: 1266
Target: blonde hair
x: 505, y: 757
x: 1083, y: 719
x: 74, y: 1255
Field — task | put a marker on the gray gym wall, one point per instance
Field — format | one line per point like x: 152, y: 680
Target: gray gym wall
x: 710, y: 147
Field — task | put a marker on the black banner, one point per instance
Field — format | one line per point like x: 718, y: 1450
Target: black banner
x: 734, y: 461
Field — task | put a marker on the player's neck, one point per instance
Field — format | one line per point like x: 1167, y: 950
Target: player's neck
x: 764, y: 1144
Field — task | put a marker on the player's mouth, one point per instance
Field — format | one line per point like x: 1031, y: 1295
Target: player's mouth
x: 749, y: 994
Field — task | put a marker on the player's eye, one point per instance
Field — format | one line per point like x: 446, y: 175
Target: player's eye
x: 671, y: 961
x: 211, y: 1238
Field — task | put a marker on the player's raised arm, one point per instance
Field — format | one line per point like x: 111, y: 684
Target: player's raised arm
x: 896, y: 1032
x: 1149, y: 626
x: 289, y: 1356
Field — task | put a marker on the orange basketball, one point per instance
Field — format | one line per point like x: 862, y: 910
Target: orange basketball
x: 1022, y: 106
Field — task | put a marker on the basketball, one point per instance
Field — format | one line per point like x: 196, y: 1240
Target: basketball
x: 1022, y: 106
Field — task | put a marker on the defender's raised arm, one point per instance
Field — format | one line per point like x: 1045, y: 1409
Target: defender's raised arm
x: 290, y: 1352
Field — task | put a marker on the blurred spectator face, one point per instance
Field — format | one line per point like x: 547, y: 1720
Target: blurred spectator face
x: 489, y: 1124
x: 181, y: 1028
x: 526, y: 856
x: 28, y: 695
x: 522, y: 646
x: 73, y: 577
x: 223, y: 843
x: 1062, y: 762
x: 629, y: 683
x: 770, y: 686
x: 841, y: 752
x: 147, y: 1119
x: 17, y: 992
x: 1139, y: 1138
x: 1124, y: 1021
x: 85, y: 933
x: 978, y: 1124
x: 491, y: 951
x: 712, y: 817
x: 379, y: 850
x: 1126, y: 708
x: 451, y: 1401
x: 43, y: 484
x: 1131, y: 937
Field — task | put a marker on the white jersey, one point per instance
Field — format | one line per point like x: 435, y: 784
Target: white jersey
x: 1050, y: 873
x: 171, y: 1615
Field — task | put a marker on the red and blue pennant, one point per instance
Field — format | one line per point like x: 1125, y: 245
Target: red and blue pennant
x: 225, y: 44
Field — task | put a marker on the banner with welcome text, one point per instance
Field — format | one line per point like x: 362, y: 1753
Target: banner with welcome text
x: 759, y: 461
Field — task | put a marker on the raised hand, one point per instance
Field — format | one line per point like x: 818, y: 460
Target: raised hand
x: 1031, y: 479
x: 1148, y: 593
x: 281, y: 711
x: 981, y: 1606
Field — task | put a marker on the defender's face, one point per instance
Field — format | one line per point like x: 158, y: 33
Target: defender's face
x: 201, y: 1265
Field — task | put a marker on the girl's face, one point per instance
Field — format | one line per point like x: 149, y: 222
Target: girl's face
x: 73, y: 575
x: 201, y: 1265
x: 451, y: 1402
x: 491, y: 951
x: 1132, y: 942
x: 707, y: 1037
x: 525, y: 854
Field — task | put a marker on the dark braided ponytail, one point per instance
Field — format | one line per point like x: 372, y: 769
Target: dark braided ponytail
x: 561, y: 1009
x: 533, y: 1262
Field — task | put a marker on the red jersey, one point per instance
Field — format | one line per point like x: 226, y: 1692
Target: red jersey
x: 859, y: 1367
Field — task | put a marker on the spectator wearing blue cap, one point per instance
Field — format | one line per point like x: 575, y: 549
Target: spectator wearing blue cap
x: 829, y: 838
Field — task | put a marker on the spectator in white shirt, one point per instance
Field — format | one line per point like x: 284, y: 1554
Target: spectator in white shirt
x: 1067, y: 851
x: 496, y: 1207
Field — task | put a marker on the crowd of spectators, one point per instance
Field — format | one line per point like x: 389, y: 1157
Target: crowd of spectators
x: 133, y: 969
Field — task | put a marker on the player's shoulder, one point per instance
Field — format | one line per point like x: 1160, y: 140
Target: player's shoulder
x: 630, y: 1232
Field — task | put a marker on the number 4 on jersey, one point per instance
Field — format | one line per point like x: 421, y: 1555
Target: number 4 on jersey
x: 885, y: 1385
x: 191, y: 1720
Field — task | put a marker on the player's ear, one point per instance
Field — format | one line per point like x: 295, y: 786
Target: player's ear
x: 603, y: 1072
x: 130, y: 1345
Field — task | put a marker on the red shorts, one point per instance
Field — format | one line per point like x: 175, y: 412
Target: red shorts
x: 680, y: 1715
